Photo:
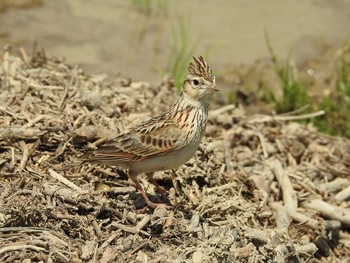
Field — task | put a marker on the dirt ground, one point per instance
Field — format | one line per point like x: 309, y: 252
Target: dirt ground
x: 260, y: 188
x: 118, y: 37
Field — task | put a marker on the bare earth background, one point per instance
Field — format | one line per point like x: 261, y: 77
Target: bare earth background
x: 260, y: 189
x: 115, y: 37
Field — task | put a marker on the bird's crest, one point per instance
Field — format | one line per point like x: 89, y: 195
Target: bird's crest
x: 199, y: 67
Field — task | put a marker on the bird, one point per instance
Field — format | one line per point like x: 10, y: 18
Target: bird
x: 165, y: 141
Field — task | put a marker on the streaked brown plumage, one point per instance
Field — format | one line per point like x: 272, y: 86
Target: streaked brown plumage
x: 165, y: 141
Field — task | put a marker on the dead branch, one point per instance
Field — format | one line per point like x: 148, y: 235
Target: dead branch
x: 329, y: 211
x: 9, y: 248
x: 67, y: 182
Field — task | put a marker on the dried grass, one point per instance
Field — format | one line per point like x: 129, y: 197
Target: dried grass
x: 259, y: 189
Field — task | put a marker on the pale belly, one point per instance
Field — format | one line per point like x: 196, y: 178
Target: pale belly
x: 167, y: 161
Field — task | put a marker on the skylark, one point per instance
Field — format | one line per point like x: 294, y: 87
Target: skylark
x: 165, y: 141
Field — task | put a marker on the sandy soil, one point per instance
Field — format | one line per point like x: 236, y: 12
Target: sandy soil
x: 116, y: 37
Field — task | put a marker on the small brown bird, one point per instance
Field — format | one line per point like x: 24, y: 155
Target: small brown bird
x: 165, y: 141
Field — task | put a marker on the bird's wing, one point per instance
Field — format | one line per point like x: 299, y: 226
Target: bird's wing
x: 154, y: 137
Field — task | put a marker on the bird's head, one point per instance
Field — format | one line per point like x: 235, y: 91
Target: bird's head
x: 199, y: 84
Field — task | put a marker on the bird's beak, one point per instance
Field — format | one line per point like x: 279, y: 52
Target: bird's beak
x: 214, y: 88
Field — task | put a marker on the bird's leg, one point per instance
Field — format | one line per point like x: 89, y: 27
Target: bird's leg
x: 159, y: 189
x: 133, y: 178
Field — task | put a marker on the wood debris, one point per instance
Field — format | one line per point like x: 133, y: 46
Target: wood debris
x: 260, y: 188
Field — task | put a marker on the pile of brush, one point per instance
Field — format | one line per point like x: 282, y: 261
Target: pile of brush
x: 260, y: 188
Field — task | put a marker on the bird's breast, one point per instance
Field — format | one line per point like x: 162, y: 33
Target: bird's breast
x: 192, y: 123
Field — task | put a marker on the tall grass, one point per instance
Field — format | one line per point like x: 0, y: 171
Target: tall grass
x: 294, y: 94
x: 336, y: 121
x: 150, y: 7
x: 183, y: 50
x: 336, y: 105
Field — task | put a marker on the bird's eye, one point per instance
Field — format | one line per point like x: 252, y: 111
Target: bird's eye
x: 195, y: 82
